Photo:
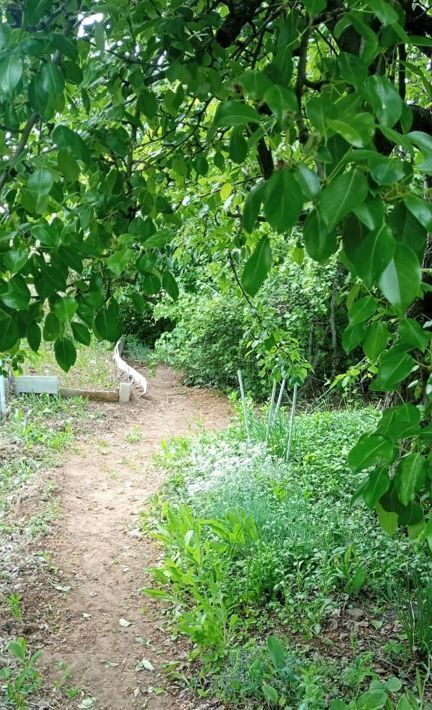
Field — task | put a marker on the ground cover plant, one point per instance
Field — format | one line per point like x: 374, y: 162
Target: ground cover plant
x: 33, y: 438
x: 288, y: 595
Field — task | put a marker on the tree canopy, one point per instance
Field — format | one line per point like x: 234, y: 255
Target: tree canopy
x: 311, y: 119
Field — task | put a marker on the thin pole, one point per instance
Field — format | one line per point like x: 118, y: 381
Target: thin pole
x: 243, y: 399
x: 278, y: 404
x: 270, y: 413
x: 291, y: 425
x: 3, y: 397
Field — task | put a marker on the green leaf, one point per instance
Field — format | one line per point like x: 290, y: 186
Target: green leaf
x: 17, y: 649
x: 238, y: 147
x: 201, y: 165
x: 280, y: 100
x: 407, y: 230
x: 320, y: 242
x: 384, y: 99
x: 356, y: 129
x: 371, y: 449
x: 68, y: 165
x: 375, y: 340
x: 373, y: 254
x: 270, y: 694
x: 377, y: 483
x: 276, y: 652
x: 371, y: 212
x: 120, y: 260
x: 15, y: 259
x: 351, y: 68
x: 65, y: 308
x: 400, y: 422
x: 52, y: 79
x: 148, y: 103
x: 151, y: 284
x: 362, y: 310
x: 387, y: 171
x: 401, y: 279
x: 387, y: 519
x: 40, y: 182
x: 315, y: 7
x: 343, y: 195
x: 353, y: 336
x: 67, y: 139
x: 34, y: 336
x: 421, y: 210
x: 283, y: 200
x: 383, y: 11
x: 65, y: 353
x: 81, y: 333
x: 235, y: 113
x: 393, y: 368
x: 147, y: 263
x: 108, y: 323
x: 309, y: 182
x: 35, y: 10
x: 170, y: 285
x: 411, y: 333
x: 255, y: 83
x: 139, y: 302
x: 159, y: 239
x: 100, y: 36
x: 252, y: 206
x: 410, y: 477
x: 8, y: 332
x: 423, y: 141
x: 51, y: 327
x: 257, y: 267
x: 11, y: 69
x: 17, y: 295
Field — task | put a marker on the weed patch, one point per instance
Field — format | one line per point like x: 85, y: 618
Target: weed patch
x: 257, y: 547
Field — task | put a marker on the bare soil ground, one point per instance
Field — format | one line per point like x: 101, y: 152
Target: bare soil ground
x: 94, y: 626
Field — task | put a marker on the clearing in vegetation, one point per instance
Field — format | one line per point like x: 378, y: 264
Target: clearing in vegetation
x: 248, y: 580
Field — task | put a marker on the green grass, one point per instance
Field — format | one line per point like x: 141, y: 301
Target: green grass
x: 33, y: 437
x: 37, y: 430
x: 94, y: 367
x: 257, y: 547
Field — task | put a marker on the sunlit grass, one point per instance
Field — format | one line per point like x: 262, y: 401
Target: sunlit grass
x: 94, y: 367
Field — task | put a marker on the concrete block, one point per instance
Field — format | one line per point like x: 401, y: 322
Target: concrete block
x: 125, y: 392
x: 36, y: 384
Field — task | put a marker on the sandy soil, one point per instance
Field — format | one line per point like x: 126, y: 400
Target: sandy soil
x: 101, y: 556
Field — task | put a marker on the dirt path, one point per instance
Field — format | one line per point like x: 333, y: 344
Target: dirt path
x: 101, y: 555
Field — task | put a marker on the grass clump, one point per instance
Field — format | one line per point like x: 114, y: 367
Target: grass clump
x: 259, y: 548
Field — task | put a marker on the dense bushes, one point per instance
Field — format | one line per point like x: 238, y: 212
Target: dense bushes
x: 208, y: 340
x: 143, y: 324
x: 289, y: 330
x: 255, y: 545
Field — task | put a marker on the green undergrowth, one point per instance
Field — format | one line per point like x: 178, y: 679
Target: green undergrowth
x: 33, y: 437
x: 290, y: 595
x: 37, y: 430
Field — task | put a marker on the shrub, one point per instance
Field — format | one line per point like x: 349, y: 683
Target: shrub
x: 207, y: 342
x: 211, y: 332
